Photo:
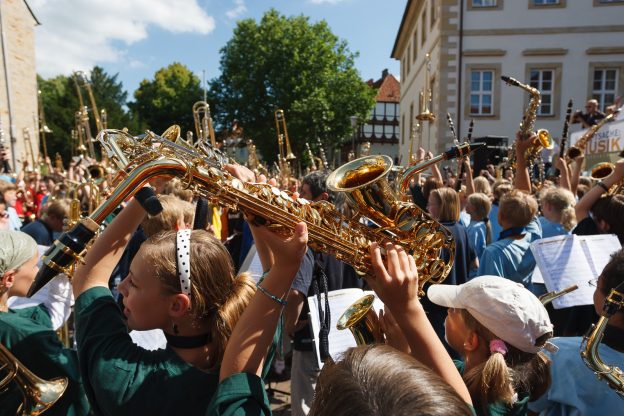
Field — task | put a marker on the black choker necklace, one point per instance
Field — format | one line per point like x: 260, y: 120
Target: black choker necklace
x: 187, y: 342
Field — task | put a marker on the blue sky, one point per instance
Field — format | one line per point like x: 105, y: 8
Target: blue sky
x: 137, y: 37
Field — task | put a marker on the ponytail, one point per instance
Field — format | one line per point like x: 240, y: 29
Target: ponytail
x: 568, y: 218
x: 228, y: 313
x: 507, y: 370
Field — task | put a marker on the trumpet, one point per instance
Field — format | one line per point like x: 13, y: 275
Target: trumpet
x: 402, y: 224
x: 361, y: 319
x: 38, y: 394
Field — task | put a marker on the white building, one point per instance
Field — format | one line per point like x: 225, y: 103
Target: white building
x: 565, y: 48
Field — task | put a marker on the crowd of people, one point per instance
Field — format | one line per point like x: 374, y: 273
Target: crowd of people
x: 166, y: 322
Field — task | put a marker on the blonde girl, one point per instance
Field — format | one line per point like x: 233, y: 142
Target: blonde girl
x: 558, y: 215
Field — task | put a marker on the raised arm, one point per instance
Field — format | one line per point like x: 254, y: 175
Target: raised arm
x: 575, y: 172
x: 522, y: 180
x: 583, y: 207
x: 470, y: 188
x: 105, y: 253
x: 564, y: 171
x: 254, y: 331
x: 396, y: 284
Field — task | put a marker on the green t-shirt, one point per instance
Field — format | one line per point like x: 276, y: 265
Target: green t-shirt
x: 519, y: 408
x: 28, y: 334
x: 122, y: 378
x: 240, y: 395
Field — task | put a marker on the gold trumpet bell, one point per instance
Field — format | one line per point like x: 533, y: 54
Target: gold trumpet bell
x: 361, y: 319
x: 38, y: 394
x: 545, y: 140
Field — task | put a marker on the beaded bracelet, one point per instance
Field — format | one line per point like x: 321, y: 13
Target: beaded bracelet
x: 267, y: 293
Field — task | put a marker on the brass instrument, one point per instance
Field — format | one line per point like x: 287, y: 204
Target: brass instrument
x: 311, y: 158
x: 285, y: 152
x: 416, y: 128
x: 43, y: 127
x: 253, y: 162
x: 58, y: 162
x: 451, y: 125
x: 38, y: 395
x: 589, y: 347
x: 141, y: 159
x: 579, y: 148
x: 426, y: 98
x: 323, y: 157
x: 104, y: 119
x: 203, y: 123
x: 527, y: 126
x: 82, y: 80
x: 546, y: 298
x: 29, y: 148
x: 361, y: 319
x: 601, y: 171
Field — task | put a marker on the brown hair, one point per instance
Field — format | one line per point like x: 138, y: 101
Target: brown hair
x: 449, y: 203
x: 482, y: 205
x: 610, y: 209
x: 174, y: 187
x: 613, y: 273
x: 430, y: 184
x: 218, y: 297
x: 374, y: 380
x: 563, y: 202
x: 500, y: 188
x: 500, y: 376
x: 59, y: 208
x: 517, y: 208
x: 173, y: 207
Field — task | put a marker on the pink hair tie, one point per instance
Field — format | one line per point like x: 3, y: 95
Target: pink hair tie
x: 497, y: 345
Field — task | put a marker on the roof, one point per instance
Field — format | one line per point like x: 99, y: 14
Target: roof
x: 388, y: 88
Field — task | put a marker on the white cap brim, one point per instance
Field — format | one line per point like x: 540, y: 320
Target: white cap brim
x: 445, y: 295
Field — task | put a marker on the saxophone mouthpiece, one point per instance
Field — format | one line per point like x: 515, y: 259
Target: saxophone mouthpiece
x: 510, y: 80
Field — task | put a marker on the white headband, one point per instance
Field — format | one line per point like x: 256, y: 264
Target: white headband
x: 183, y: 257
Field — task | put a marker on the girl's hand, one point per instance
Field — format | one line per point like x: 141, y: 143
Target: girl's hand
x: 396, y: 282
x: 286, y: 251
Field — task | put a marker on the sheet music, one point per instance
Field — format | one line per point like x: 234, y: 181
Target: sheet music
x: 252, y: 264
x: 339, y: 301
x: 571, y: 259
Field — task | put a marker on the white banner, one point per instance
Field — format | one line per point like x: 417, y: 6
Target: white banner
x: 609, y: 139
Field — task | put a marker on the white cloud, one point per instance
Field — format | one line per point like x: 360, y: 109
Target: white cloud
x: 238, y: 10
x: 80, y: 34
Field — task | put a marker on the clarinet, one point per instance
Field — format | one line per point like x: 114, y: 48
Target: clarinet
x: 564, y: 134
x: 462, y: 169
x: 6, y: 167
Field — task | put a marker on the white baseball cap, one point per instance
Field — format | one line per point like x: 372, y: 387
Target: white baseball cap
x: 506, y: 308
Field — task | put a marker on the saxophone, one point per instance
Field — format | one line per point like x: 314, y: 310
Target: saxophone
x: 329, y: 231
x: 527, y: 126
x: 589, y: 347
x: 579, y: 148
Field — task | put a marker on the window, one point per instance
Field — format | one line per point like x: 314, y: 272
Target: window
x: 390, y: 111
x: 481, y: 92
x: 415, y: 45
x: 411, y: 123
x: 546, y: 3
x: 380, y: 111
x: 608, y: 2
x: 367, y: 131
x: 434, y: 13
x: 544, y: 81
x: 604, y: 86
x: 423, y: 26
x: 484, y: 3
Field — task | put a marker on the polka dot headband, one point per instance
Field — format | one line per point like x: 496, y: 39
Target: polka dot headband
x: 183, y: 257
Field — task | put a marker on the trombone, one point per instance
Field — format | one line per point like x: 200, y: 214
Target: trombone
x: 285, y: 152
x: 203, y: 123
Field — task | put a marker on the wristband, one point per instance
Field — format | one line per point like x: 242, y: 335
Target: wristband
x: 603, y: 186
x: 265, y: 292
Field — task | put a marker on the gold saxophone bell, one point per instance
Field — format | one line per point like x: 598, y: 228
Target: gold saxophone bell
x: 361, y: 319
x: 38, y: 394
x: 602, y: 170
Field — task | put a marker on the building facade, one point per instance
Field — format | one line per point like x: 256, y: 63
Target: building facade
x: 18, y: 80
x: 566, y: 49
x: 381, y: 131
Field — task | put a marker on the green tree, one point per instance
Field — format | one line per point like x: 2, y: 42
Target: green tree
x: 60, y: 103
x: 288, y: 63
x: 167, y: 99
